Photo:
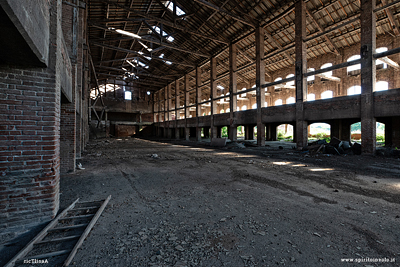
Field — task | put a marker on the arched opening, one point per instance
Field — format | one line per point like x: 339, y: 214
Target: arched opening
x: 354, y: 90
x: 312, y: 77
x: 290, y: 100
x: 310, y: 97
x: 328, y: 73
x: 354, y: 69
x: 277, y: 86
x: 327, y: 94
x: 380, y: 133
x: 278, y: 102
x: 317, y: 131
x: 240, y: 132
x: 221, y: 111
x: 224, y: 131
x: 285, y: 132
x: 291, y: 83
x: 228, y: 110
x: 379, y: 63
x: 381, y: 86
x: 254, y: 106
x: 244, y: 107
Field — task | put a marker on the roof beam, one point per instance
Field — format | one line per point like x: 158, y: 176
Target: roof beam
x: 137, y: 37
x: 136, y: 53
x: 272, y: 40
x: 165, y: 22
x: 252, y: 23
x: 311, y: 16
x: 391, y: 18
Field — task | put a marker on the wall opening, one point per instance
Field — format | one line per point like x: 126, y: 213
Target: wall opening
x: 317, y: 131
x: 285, y: 132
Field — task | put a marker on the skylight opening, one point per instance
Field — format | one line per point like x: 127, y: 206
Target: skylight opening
x: 168, y: 62
x: 128, y: 95
x: 220, y: 87
x: 158, y: 30
x: 170, y: 6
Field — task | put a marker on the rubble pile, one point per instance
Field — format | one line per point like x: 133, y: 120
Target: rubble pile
x: 335, y: 147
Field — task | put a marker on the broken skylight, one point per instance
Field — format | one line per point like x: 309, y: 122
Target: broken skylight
x: 158, y: 30
x: 170, y: 6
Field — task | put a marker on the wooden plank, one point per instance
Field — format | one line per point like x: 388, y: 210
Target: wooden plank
x: 48, y: 255
x: 86, y: 232
x: 58, y: 239
x: 69, y: 227
x: 77, y: 217
x: 39, y: 236
x: 85, y: 208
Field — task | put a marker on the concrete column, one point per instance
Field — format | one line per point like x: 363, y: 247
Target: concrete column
x: 260, y: 80
x: 300, y: 68
x: 155, y: 108
x: 341, y: 129
x: 271, y: 133
x: 165, y: 105
x: 368, y: 71
x: 177, y: 104
x: 206, y: 132
x: 232, y: 91
x: 187, y: 100
x: 392, y: 132
x: 166, y: 113
x: 249, y: 132
x: 169, y: 102
x: 219, y: 130
x: 198, y: 100
x: 213, y: 90
x: 159, y: 106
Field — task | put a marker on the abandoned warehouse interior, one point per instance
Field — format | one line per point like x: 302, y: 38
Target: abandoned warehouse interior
x: 184, y: 74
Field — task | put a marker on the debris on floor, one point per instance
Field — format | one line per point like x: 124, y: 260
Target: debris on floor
x: 79, y: 166
x: 334, y: 147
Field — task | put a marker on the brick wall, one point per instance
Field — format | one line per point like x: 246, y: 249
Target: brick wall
x: 30, y: 99
x: 29, y: 148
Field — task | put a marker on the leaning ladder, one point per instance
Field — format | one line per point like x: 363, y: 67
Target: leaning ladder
x: 85, y: 210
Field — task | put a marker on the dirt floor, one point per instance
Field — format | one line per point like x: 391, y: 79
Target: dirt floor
x: 188, y: 204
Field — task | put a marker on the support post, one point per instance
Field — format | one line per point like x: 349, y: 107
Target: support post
x: 198, y: 100
x: 187, y: 101
x: 368, y: 76
x: 177, y: 105
x: 300, y: 69
x: 260, y: 80
x: 232, y: 91
x: 213, y: 91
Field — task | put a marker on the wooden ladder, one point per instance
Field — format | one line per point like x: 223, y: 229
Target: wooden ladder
x: 62, y: 236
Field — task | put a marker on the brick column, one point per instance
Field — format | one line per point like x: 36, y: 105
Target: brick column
x: 301, y: 68
x: 368, y: 76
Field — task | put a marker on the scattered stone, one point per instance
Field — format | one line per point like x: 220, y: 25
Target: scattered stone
x: 179, y: 248
x: 316, y: 234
